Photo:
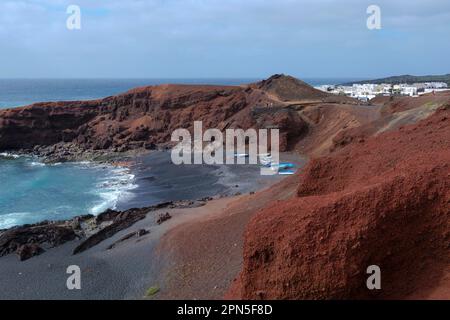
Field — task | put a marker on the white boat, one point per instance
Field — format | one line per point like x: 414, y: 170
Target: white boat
x: 265, y: 160
x: 286, y: 172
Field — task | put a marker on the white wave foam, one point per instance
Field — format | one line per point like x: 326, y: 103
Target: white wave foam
x: 37, y: 164
x: 113, y: 186
x: 12, y: 219
x: 9, y: 155
x: 113, y: 189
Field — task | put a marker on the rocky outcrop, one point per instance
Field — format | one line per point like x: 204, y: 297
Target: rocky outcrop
x: 145, y: 118
x: 384, y: 201
x: 163, y: 218
x: 111, y: 222
x: 28, y: 251
x: 137, y: 234
x: 118, y: 222
x: 29, y: 240
x: 44, y: 124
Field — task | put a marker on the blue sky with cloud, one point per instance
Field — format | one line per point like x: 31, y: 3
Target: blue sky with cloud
x: 223, y: 38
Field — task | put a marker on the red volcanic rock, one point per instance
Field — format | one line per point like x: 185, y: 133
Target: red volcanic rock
x: 43, y: 124
x: 394, y: 112
x: 392, y: 104
x: 141, y: 118
x: 384, y: 201
x: 288, y: 88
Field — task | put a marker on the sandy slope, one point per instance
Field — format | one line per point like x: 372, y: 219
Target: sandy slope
x: 205, y: 252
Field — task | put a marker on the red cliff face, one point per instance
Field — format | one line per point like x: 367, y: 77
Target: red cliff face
x: 43, y: 124
x: 143, y: 117
x: 384, y: 201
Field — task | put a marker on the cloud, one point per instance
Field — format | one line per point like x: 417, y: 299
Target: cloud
x: 212, y: 38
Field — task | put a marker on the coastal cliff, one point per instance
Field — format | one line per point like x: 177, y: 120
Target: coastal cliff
x: 144, y: 118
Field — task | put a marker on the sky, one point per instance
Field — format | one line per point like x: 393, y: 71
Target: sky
x: 223, y: 39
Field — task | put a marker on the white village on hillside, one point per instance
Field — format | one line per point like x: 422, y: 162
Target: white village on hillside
x: 367, y: 91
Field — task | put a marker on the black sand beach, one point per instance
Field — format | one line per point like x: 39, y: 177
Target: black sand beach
x: 130, y: 268
x: 159, y: 180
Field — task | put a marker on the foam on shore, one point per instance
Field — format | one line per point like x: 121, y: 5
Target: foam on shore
x: 112, y: 189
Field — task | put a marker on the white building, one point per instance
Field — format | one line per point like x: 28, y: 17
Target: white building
x: 369, y: 91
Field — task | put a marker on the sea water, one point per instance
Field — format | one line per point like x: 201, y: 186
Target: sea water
x: 31, y: 191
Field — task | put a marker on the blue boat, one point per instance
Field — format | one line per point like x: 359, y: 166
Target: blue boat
x: 286, y: 165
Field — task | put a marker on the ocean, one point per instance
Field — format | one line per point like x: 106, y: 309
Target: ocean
x: 35, y: 191
x: 32, y: 191
x: 21, y: 92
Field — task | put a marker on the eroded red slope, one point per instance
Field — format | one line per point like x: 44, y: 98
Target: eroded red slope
x: 384, y: 201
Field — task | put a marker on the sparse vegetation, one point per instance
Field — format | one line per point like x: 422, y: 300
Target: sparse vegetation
x: 152, y: 291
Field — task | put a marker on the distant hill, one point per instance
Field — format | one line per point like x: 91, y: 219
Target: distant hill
x: 406, y: 79
x: 288, y: 88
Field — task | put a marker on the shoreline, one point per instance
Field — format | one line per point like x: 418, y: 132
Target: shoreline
x: 40, y: 272
x: 105, y: 184
x: 142, y: 167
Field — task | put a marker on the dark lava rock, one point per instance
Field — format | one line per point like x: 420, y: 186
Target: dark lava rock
x: 137, y: 234
x: 141, y: 233
x: 29, y: 240
x: 163, y: 218
x: 121, y: 220
x: 108, y: 215
x: 28, y: 251
x: 51, y: 233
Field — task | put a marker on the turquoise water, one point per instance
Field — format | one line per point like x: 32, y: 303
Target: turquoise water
x: 32, y: 191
